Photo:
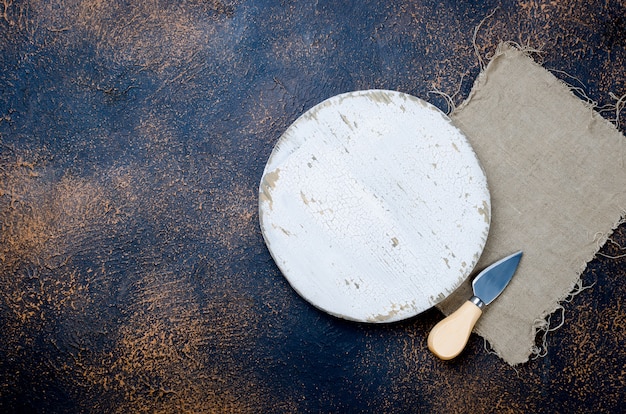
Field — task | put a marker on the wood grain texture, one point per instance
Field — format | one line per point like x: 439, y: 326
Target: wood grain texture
x: 374, y: 206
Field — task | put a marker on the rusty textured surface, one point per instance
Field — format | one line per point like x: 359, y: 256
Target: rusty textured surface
x: 133, y: 274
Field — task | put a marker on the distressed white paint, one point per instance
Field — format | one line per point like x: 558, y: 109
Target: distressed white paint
x: 374, y: 206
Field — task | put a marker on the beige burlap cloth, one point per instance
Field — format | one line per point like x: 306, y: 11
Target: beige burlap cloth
x: 557, y: 177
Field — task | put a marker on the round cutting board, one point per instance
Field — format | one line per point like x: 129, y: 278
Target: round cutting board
x: 374, y: 206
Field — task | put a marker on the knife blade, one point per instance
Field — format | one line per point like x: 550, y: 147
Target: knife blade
x: 448, y: 338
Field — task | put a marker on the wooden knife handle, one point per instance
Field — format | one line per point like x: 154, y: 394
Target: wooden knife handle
x: 448, y: 337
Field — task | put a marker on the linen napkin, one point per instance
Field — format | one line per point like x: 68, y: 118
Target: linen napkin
x: 557, y: 177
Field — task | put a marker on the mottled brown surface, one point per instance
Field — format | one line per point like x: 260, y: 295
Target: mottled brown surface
x: 133, y: 274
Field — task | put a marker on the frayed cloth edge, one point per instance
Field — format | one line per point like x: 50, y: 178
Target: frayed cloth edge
x: 542, y: 325
x: 577, y: 91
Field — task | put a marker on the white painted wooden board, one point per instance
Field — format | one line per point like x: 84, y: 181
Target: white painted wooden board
x: 374, y: 206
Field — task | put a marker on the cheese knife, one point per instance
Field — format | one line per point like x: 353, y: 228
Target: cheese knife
x: 448, y: 338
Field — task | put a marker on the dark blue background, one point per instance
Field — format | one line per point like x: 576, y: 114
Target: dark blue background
x: 132, y: 270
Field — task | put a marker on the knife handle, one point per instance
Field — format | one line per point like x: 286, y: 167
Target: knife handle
x: 449, y: 336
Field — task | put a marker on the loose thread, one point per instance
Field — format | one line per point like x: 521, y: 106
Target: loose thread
x: 450, y: 98
x: 562, y: 72
x: 487, y: 348
x: 562, y: 319
x: 616, y: 244
x: 602, y: 239
x: 578, y: 288
x: 581, y: 92
x: 540, y: 351
x: 542, y: 328
x: 578, y: 91
x: 481, y: 62
x: 616, y: 108
x: 527, y: 49
x: 619, y: 105
x: 447, y: 98
x: 610, y: 256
